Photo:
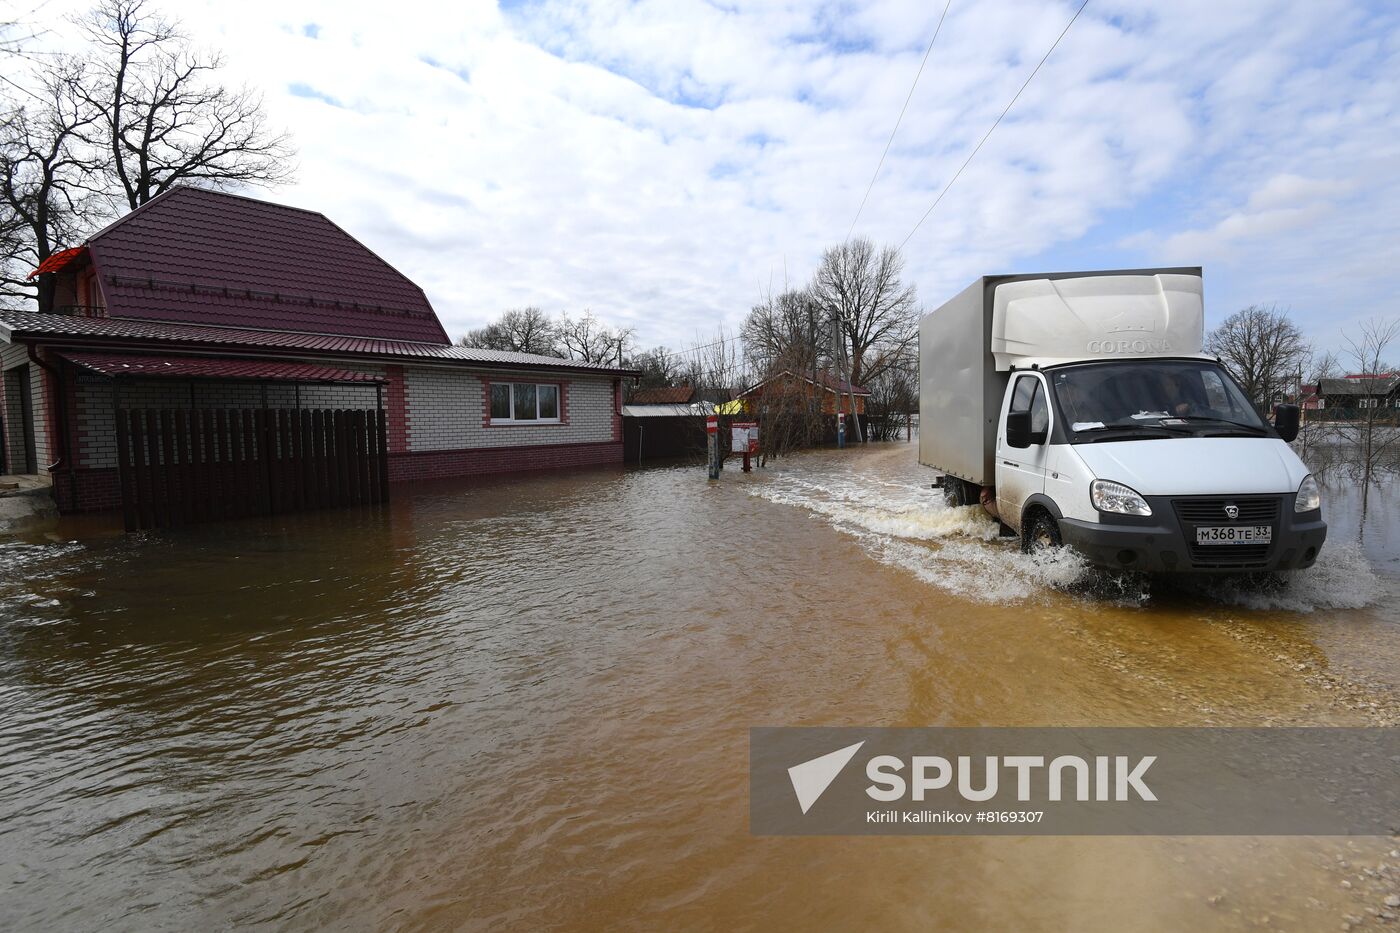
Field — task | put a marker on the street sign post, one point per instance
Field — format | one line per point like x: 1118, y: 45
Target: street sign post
x: 712, y: 435
x: 744, y: 440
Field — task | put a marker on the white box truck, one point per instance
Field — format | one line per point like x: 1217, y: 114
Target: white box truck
x: 1080, y: 410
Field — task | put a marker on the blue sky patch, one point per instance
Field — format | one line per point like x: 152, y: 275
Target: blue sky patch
x: 300, y: 89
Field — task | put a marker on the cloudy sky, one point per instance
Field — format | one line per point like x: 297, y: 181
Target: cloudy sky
x: 665, y: 162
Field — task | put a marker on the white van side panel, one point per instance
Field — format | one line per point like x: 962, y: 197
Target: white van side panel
x: 960, y: 390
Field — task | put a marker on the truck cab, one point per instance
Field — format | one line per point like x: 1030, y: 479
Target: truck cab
x: 1104, y: 427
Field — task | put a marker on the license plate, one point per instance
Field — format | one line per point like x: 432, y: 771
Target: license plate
x: 1235, y: 534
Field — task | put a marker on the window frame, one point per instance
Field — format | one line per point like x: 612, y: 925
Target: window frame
x: 1040, y: 391
x: 525, y: 422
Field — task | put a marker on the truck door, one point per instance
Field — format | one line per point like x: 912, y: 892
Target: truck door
x: 1021, y: 471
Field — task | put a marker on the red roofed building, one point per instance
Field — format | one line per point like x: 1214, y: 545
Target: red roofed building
x: 204, y: 300
x: 662, y: 395
x: 835, y: 393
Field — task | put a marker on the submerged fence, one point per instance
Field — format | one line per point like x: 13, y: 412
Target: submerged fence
x: 181, y: 466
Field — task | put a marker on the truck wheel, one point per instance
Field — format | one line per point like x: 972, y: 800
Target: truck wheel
x: 1042, y: 534
x: 957, y: 492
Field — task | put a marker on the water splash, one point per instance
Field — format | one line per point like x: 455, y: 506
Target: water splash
x: 1342, y: 578
x: 959, y: 550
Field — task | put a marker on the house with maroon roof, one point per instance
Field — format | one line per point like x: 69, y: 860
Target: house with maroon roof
x: 836, y: 394
x: 662, y: 395
x: 204, y: 301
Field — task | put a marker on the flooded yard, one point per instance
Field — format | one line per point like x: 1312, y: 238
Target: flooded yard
x: 525, y: 702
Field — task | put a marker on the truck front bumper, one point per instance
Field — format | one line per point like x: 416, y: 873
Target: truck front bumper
x: 1164, y: 543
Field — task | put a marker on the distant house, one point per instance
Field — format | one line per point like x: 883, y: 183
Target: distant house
x: 1359, y: 392
x: 662, y: 395
x: 835, y: 393
x: 203, y: 300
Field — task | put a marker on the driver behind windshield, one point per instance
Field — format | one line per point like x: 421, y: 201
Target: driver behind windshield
x: 1182, y: 401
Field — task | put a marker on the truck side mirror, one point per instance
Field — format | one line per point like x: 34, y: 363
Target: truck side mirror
x: 1018, y: 429
x: 1286, y: 418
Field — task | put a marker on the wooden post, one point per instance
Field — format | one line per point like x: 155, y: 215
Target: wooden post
x: 712, y: 432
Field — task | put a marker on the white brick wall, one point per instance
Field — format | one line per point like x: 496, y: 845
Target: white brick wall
x: 12, y: 356
x: 445, y: 409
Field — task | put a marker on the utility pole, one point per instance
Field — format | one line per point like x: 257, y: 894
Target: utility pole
x: 840, y: 360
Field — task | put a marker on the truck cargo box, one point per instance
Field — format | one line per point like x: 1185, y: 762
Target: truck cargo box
x: 960, y: 389
x: 968, y: 346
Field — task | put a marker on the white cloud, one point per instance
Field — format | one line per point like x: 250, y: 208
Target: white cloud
x: 662, y: 161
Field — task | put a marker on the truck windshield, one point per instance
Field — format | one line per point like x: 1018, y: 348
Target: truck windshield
x: 1153, y: 397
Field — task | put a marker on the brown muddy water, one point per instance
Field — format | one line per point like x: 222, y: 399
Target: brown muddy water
x: 524, y: 703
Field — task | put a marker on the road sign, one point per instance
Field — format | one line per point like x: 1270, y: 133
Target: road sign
x: 743, y: 437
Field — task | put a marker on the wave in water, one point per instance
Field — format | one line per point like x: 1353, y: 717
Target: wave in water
x: 959, y: 550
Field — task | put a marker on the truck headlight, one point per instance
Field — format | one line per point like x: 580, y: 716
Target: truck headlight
x: 1309, y: 497
x: 1115, y: 497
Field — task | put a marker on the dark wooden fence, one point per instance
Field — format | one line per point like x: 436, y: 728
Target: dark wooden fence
x: 180, y: 466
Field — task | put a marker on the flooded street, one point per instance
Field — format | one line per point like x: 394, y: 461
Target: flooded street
x: 525, y: 702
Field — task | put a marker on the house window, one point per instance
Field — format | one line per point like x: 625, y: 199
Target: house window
x: 524, y: 403
x: 1369, y: 402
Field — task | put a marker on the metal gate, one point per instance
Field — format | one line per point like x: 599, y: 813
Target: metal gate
x: 184, y: 465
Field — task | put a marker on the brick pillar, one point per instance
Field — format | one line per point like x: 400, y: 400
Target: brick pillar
x: 396, y: 409
x: 617, y: 411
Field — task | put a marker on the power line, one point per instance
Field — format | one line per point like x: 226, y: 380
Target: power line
x: 889, y: 142
x: 703, y: 346
x: 23, y: 90
x: 989, y: 132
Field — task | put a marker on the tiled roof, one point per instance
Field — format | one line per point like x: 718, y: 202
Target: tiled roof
x: 1359, y: 385
x: 207, y: 257
x: 840, y: 385
x: 198, y: 367
x: 58, y: 260
x: 827, y: 380
x: 134, y: 334
x: 662, y: 395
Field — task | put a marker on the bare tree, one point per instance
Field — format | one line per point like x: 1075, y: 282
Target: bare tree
x: 876, y: 315
x: 1372, y: 433
x: 657, y: 366
x: 716, y: 367
x: 1263, y: 350
x: 1321, y: 364
x: 786, y: 331
x: 861, y: 288
x: 134, y: 114
x: 787, y: 341
x: 166, y: 119
x: 589, y: 340
x: 51, y: 188
x: 894, y: 395
x: 521, y: 330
